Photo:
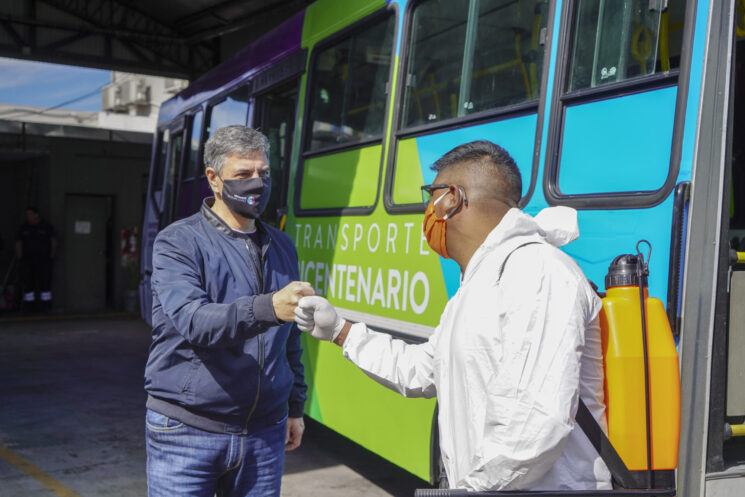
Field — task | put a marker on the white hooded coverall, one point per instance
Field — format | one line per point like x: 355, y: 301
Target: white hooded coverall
x: 508, y: 362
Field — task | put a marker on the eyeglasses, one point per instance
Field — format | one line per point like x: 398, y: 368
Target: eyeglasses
x: 427, y: 191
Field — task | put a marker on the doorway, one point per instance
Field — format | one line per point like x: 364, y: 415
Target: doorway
x: 275, y: 117
x: 87, y: 248
x: 727, y: 395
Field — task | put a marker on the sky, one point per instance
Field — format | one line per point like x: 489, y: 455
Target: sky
x: 41, y: 84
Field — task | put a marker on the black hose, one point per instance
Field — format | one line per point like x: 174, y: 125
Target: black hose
x: 642, y: 271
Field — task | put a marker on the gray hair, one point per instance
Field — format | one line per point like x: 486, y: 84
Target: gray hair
x: 232, y: 140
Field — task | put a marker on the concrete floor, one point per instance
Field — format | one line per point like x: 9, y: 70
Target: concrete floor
x: 71, y: 420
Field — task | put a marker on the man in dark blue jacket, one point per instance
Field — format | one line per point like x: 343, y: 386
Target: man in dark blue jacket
x: 224, y: 379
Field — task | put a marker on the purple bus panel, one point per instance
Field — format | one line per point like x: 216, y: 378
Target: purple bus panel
x: 281, y: 41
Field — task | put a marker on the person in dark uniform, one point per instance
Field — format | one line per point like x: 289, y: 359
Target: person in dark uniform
x: 36, y: 246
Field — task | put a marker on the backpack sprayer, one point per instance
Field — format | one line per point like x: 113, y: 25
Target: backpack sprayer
x: 642, y: 390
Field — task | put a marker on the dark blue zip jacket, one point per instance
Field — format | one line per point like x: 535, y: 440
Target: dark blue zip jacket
x: 220, y: 360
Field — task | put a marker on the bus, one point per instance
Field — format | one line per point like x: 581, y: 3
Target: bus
x: 629, y: 111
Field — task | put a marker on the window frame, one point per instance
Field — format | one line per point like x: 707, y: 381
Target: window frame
x: 221, y: 97
x: 279, y: 73
x: 328, y: 42
x: 257, y: 117
x: 304, y: 154
x: 188, y: 118
x: 189, y: 125
x: 284, y: 71
x: 482, y: 117
x: 563, y: 99
x: 155, y: 159
x: 511, y: 110
x: 176, y: 129
x: 173, y: 127
x: 571, y: 45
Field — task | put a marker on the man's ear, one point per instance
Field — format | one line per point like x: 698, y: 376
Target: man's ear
x: 211, y: 175
x: 452, y: 198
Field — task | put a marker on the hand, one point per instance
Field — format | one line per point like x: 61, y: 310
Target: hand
x: 285, y: 300
x: 317, y: 316
x: 295, y: 429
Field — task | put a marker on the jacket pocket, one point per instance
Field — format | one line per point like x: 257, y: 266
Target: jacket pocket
x: 186, y: 385
x: 160, y: 423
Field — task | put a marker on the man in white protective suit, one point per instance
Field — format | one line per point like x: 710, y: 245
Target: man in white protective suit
x: 517, y: 345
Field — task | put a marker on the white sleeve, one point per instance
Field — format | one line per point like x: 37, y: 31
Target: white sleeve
x: 533, y: 393
x: 402, y: 367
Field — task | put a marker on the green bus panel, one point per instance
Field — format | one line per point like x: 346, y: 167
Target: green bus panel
x: 380, y: 267
x: 342, y: 179
x: 341, y: 397
x: 323, y: 19
x: 376, y: 264
x: 408, y: 173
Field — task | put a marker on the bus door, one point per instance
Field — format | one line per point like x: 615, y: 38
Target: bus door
x: 188, y: 187
x: 159, y: 205
x: 717, y: 244
x: 274, y: 115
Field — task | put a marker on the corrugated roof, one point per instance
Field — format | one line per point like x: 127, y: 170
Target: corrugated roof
x: 182, y: 38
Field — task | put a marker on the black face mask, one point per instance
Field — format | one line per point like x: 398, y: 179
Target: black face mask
x: 247, y: 197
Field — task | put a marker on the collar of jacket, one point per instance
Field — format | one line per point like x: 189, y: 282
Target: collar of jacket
x: 216, y: 221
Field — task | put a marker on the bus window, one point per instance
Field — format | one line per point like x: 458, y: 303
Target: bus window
x: 174, y: 161
x: 160, y: 166
x: 193, y: 162
x: 276, y: 120
x: 188, y: 187
x: 471, y: 56
x: 623, y: 41
x: 619, y: 40
x: 232, y: 110
x: 348, y: 87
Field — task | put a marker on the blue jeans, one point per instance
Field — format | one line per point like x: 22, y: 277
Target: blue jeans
x: 186, y: 461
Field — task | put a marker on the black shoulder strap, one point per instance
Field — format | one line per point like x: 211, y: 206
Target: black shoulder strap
x: 504, y: 262
x: 621, y: 474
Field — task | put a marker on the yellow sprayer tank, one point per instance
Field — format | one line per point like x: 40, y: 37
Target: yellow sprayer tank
x: 620, y: 322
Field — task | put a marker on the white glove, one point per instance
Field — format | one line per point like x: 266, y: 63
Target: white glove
x: 317, y: 316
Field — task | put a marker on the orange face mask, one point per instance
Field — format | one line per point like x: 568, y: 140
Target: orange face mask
x: 435, y: 228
